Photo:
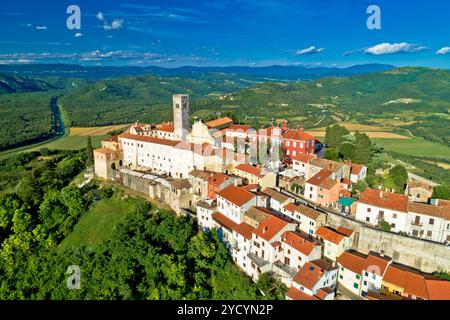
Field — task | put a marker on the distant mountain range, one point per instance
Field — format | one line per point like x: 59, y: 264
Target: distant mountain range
x: 10, y: 83
x: 269, y: 73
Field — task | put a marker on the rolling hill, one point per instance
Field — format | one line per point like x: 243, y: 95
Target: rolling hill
x: 17, y: 84
x: 261, y: 74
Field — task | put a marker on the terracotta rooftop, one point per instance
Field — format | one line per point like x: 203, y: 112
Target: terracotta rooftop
x: 438, y: 289
x: 311, y: 273
x: 298, y: 242
x: 352, y: 261
x: 376, y: 263
x: 239, y: 127
x: 207, y: 204
x: 304, y: 210
x: 345, y: 231
x: 135, y: 137
x: 345, y: 193
x: 236, y: 195
x: 355, y: 168
x: 420, y: 184
x: 249, y: 169
x: 302, y: 157
x: 218, y: 178
x: 270, y: 227
x: 387, y: 200
x: 224, y: 221
x: 244, y: 230
x: 278, y: 196
x: 181, y: 184
x: 202, y: 174
x: 413, y: 283
x: 112, y: 139
x: 430, y: 210
x: 327, y: 164
x: 256, y: 215
x: 219, y: 122
x: 166, y: 127
x: 295, y: 294
x: 106, y: 151
x: 330, y: 235
x: 298, y: 135
x: 321, y: 179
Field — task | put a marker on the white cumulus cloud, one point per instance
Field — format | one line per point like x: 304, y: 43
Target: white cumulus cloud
x: 310, y: 50
x: 116, y: 24
x: 444, y: 50
x: 100, y: 16
x: 393, y: 48
x: 41, y: 27
x: 77, y: 35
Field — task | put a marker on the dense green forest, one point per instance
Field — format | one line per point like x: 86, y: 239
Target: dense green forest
x: 151, y: 254
x: 24, y: 117
x: 125, y: 100
x: 404, y: 93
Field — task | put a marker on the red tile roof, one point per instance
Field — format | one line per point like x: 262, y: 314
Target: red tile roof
x: 295, y: 294
x: 346, y: 181
x: 388, y: 200
x: 219, y: 122
x: 224, y: 221
x: 166, y: 127
x: 311, y: 273
x: 297, y: 242
x: 304, y: 210
x: 239, y: 127
x: 376, y: 264
x: 249, y: 169
x: 330, y: 235
x: 345, y: 193
x: 106, y: 151
x: 218, y: 178
x: 277, y: 196
x: 412, y: 283
x: 322, y: 179
x: 430, y: 210
x: 345, y: 231
x: 270, y: 227
x: 322, y: 293
x: 352, y: 261
x: 438, y: 289
x: 244, y: 230
x: 355, y: 168
x: 135, y: 137
x: 304, y: 158
x: 236, y: 195
x: 299, y: 135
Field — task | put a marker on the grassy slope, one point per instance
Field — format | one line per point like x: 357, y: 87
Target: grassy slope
x: 415, y: 147
x: 98, y: 224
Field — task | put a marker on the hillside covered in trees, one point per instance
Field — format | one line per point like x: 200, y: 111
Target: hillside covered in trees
x: 150, y: 254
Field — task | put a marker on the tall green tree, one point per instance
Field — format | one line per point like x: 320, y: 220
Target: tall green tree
x: 89, y: 152
x: 334, y: 135
x: 399, y: 177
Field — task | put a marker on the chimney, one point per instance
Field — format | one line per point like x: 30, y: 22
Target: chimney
x: 285, y: 125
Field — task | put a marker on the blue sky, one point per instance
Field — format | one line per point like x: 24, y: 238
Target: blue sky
x: 173, y: 33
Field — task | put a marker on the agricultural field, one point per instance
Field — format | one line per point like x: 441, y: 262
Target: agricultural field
x: 415, y: 147
x: 374, y: 132
x: 75, y: 139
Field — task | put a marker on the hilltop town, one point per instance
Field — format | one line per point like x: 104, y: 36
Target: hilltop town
x: 282, y: 208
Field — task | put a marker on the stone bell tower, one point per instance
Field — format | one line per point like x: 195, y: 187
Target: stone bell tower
x: 181, y: 116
